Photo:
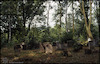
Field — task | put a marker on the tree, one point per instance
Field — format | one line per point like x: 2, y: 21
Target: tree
x: 8, y: 14
x: 87, y: 24
x: 73, y: 16
x: 66, y: 6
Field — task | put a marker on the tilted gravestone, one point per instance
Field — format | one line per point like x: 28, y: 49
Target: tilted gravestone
x: 46, y: 47
x: 19, y: 47
x: 42, y: 48
x: 62, y: 46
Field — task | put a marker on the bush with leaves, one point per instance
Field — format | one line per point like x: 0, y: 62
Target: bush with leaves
x: 3, y: 40
x: 66, y: 36
x: 30, y: 40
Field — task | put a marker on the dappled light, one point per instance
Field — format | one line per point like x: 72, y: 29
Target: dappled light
x: 50, y: 31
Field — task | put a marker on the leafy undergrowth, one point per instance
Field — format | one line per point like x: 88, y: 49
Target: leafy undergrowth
x: 34, y: 56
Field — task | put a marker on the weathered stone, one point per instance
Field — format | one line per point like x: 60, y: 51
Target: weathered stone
x: 64, y: 46
x: 42, y: 48
x: 46, y: 47
x: 61, y: 46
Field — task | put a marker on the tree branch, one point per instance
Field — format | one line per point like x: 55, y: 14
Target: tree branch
x: 90, y: 14
x: 80, y: 7
x: 84, y: 13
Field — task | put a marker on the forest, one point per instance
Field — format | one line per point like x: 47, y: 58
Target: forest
x: 49, y: 31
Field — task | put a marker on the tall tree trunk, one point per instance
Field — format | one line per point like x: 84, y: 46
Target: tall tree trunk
x: 66, y: 20
x: 99, y: 19
x: 88, y: 25
x: 60, y: 16
x: 73, y: 16
x: 9, y: 25
x: 9, y: 34
x: 29, y: 26
x: 48, y: 16
x: 24, y: 20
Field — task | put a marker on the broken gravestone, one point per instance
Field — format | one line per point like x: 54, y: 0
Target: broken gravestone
x: 62, y: 46
x: 42, y: 48
x: 19, y: 47
x: 46, y: 47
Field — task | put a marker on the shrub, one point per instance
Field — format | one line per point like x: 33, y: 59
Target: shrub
x: 66, y: 36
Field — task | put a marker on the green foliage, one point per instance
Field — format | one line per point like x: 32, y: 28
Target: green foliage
x: 22, y: 12
x: 30, y: 37
x: 66, y: 36
x: 77, y: 47
x: 15, y: 41
x: 3, y: 40
x: 95, y: 31
x: 82, y: 38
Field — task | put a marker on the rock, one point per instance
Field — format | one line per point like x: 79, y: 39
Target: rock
x: 62, y: 46
x: 42, y: 48
x: 46, y: 47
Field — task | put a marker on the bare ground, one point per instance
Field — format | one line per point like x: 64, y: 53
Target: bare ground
x: 34, y: 56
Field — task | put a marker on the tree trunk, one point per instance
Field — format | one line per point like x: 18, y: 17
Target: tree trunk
x: 88, y: 25
x: 29, y: 26
x: 73, y: 16
x: 99, y: 19
x: 48, y: 15
x: 60, y: 17
x: 66, y: 20
x: 9, y: 34
x: 24, y: 20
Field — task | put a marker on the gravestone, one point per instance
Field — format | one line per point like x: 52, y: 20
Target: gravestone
x: 48, y: 47
x: 19, y: 47
x: 23, y: 46
x: 62, y: 46
x: 42, y: 48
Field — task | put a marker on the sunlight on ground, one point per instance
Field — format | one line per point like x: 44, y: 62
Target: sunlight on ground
x: 35, y: 56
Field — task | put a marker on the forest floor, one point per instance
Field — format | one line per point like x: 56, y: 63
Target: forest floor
x: 34, y: 56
